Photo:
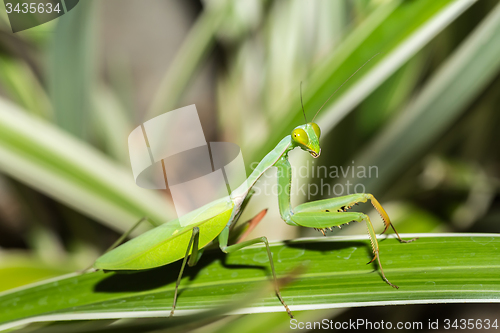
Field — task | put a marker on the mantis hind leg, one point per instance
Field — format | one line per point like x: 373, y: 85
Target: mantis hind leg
x: 223, y: 240
x: 195, y: 256
x: 119, y: 240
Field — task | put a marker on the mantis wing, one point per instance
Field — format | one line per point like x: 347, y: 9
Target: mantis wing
x: 168, y: 242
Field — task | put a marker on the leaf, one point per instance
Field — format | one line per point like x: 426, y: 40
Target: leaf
x: 39, y: 154
x: 177, y: 323
x: 19, y: 268
x: 111, y: 124
x: 437, y: 268
x: 442, y: 100
x: 73, y: 69
x: 197, y: 45
x: 23, y: 87
x: 396, y: 29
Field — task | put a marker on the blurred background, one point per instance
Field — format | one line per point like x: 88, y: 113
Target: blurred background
x: 421, y: 112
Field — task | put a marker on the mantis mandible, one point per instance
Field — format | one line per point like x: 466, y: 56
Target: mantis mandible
x: 171, y: 241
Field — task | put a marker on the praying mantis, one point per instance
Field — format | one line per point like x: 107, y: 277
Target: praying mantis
x: 213, y: 222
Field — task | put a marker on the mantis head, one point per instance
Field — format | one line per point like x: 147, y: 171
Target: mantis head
x: 307, y: 138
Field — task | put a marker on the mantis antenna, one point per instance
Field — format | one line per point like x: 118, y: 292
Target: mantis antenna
x: 343, y: 84
x: 303, y: 111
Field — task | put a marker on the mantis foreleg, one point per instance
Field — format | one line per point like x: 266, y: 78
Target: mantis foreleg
x: 322, y: 220
x: 329, y: 213
x: 341, y: 204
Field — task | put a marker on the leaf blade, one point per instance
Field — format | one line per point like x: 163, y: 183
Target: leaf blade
x: 441, y: 101
x: 436, y: 268
x: 427, y: 19
x: 39, y: 154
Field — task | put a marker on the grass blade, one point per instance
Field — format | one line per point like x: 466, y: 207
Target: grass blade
x: 391, y: 62
x: 73, y: 69
x: 24, y: 88
x: 19, y: 268
x: 55, y: 163
x: 403, y: 41
x: 441, y: 101
x: 197, y: 44
x: 437, y: 268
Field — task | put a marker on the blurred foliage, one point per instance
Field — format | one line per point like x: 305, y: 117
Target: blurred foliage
x: 422, y: 111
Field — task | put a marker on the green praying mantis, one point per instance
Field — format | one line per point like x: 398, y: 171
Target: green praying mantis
x: 213, y: 222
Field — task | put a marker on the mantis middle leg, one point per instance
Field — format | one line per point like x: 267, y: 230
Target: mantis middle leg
x: 193, y: 259
x: 223, y: 241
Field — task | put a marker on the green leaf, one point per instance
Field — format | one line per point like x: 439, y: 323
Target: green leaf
x: 196, y: 46
x: 437, y: 268
x: 397, y: 29
x: 37, y: 153
x: 22, y: 86
x: 111, y: 123
x: 19, y: 268
x: 442, y: 100
x: 73, y: 69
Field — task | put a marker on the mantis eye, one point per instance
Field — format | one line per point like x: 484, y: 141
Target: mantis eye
x: 316, y: 129
x: 300, y: 136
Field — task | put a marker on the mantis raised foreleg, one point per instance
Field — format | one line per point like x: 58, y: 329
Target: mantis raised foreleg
x: 329, y: 213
